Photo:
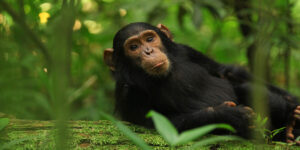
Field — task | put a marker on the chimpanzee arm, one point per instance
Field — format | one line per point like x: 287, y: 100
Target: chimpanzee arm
x: 279, y: 107
x: 235, y: 74
x: 238, y: 76
x: 238, y: 117
x: 199, y: 58
x: 130, y: 105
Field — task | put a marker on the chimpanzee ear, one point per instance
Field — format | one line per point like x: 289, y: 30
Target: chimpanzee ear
x: 165, y: 30
x: 107, y: 57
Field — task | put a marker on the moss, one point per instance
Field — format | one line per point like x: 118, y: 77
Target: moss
x: 29, y: 134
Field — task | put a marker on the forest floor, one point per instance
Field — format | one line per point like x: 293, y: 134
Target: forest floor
x: 34, y: 134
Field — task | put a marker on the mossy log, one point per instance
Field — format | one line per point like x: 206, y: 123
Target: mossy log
x: 33, y: 134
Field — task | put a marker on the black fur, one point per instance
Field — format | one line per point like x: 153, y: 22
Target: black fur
x: 195, y: 83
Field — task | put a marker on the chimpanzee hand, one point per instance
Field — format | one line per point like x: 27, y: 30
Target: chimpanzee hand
x: 241, y: 116
x: 234, y: 74
x: 293, y: 125
x: 249, y: 110
x: 245, y: 116
x: 249, y: 113
x: 229, y: 104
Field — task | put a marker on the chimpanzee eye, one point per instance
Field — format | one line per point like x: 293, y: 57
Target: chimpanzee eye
x: 133, y: 47
x: 149, y: 39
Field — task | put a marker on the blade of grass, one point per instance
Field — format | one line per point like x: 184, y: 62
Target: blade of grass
x: 127, y: 132
x: 212, y: 140
x: 193, y: 134
x: 3, y: 123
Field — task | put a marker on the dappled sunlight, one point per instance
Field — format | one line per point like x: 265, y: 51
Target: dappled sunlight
x: 93, y: 26
x: 44, y: 16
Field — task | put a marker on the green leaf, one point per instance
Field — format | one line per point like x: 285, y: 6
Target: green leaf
x: 258, y: 118
x: 264, y: 121
x: 276, y: 131
x: 298, y: 138
x: 127, y: 132
x: 197, y: 16
x: 3, y: 123
x: 216, y: 139
x: 193, y: 134
x: 164, y: 127
x: 132, y: 136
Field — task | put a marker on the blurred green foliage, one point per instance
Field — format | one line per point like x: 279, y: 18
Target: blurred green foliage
x: 210, y: 26
x: 170, y: 134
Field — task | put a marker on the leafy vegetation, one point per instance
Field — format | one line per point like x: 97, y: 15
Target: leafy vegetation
x: 51, y: 51
x: 261, y: 128
x: 167, y: 130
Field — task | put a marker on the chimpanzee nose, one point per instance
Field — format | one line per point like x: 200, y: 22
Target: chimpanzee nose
x: 148, y: 50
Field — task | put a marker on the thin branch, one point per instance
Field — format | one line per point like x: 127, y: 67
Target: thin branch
x: 287, y: 53
x: 26, y: 28
x: 21, y: 7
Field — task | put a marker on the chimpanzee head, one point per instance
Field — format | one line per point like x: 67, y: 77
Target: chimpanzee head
x: 142, y: 46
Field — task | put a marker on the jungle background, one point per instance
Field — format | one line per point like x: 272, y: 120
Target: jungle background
x: 51, y: 51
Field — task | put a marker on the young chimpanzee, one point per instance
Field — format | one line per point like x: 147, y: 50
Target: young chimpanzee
x: 153, y: 72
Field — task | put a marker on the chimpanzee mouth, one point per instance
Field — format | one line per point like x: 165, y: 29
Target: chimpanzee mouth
x: 158, y: 65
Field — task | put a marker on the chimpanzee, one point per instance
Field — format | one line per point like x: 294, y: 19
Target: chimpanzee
x: 153, y: 72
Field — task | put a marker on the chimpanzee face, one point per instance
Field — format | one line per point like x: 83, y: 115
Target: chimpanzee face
x: 144, y: 48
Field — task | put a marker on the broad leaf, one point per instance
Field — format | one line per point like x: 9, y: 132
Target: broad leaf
x: 215, y: 139
x: 193, y: 134
x: 3, y: 123
x: 164, y: 127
